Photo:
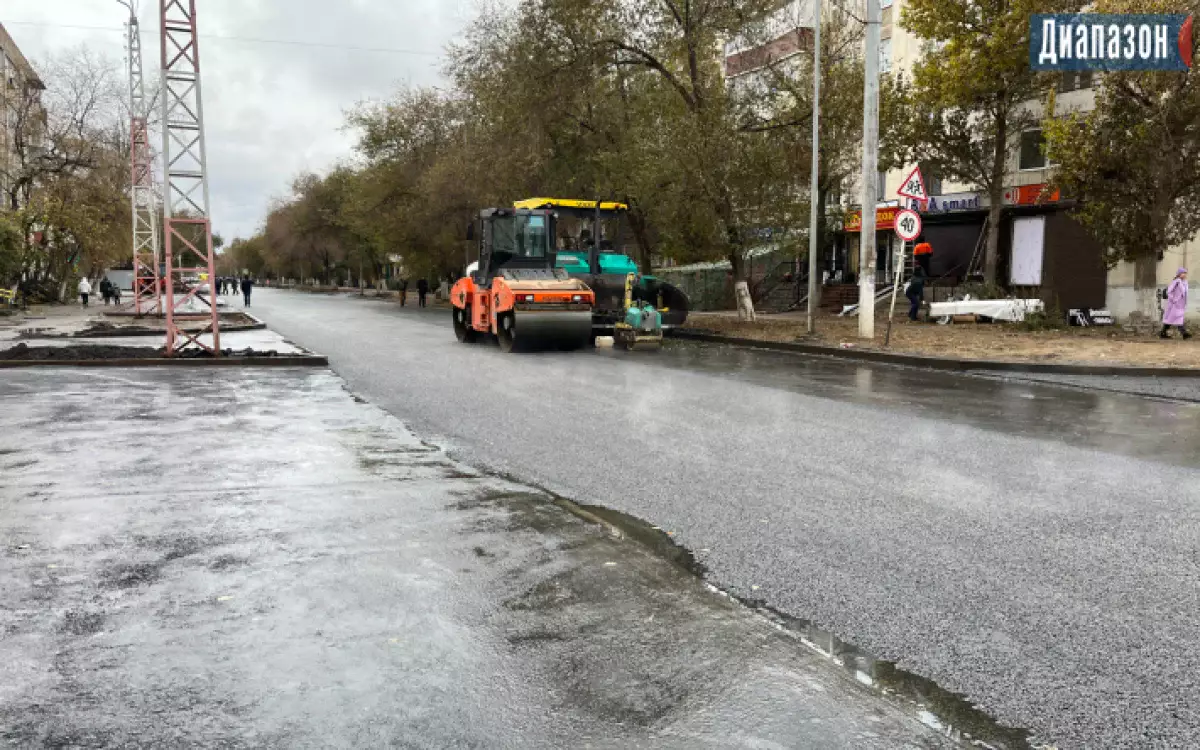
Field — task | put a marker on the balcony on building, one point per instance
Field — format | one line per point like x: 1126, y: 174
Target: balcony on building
x: 779, y: 36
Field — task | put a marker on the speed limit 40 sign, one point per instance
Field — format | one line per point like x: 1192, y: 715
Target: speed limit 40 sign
x: 908, y: 225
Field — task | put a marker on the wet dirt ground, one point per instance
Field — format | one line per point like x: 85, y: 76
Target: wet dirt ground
x: 259, y: 559
x: 1029, y: 546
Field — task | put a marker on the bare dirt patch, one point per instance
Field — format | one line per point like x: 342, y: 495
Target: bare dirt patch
x: 986, y: 341
x: 91, y: 352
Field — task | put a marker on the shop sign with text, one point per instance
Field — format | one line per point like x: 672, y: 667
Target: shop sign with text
x: 885, y: 218
x: 942, y: 204
x: 1025, y: 195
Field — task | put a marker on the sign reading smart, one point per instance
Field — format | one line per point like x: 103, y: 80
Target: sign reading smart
x: 1110, y: 41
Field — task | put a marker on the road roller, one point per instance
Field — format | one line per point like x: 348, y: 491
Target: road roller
x: 590, y: 243
x: 515, y: 293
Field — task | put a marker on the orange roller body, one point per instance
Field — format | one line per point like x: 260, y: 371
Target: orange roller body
x: 515, y: 293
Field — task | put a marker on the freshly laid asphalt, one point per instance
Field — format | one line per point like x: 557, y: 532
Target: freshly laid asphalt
x: 1032, y: 547
x: 256, y: 559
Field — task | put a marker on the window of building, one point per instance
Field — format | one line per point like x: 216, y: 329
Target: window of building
x: 1033, y: 154
x: 881, y: 186
x: 1074, y: 80
x: 885, y: 4
x: 885, y: 55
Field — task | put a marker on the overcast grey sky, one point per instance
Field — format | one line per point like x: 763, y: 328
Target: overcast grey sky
x: 271, y: 110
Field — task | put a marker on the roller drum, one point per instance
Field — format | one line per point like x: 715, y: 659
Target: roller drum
x: 547, y: 329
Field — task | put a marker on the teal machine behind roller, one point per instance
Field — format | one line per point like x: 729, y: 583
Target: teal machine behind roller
x: 588, y: 250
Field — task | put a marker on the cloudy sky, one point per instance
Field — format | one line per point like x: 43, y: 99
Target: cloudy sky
x: 278, y: 75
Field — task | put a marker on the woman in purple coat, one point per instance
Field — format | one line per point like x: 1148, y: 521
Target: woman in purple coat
x: 1177, y: 295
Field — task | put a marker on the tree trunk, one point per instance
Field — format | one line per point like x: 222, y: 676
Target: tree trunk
x: 641, y: 236
x: 1145, y: 286
x: 736, y: 255
x: 822, y: 197
x: 991, y: 259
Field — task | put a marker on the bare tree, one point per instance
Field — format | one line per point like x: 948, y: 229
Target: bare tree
x: 66, y: 127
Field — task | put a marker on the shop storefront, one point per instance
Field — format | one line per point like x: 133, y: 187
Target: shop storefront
x: 1044, y: 252
x: 886, y: 245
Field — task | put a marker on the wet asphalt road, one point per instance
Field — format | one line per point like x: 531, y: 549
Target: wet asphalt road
x: 1032, y: 547
x: 251, y: 559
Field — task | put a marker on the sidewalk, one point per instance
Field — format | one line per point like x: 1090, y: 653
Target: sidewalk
x: 78, y: 328
x: 1101, y: 346
x: 256, y: 558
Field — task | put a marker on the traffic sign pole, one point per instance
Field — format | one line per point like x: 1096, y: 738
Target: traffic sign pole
x: 908, y: 228
x: 908, y: 225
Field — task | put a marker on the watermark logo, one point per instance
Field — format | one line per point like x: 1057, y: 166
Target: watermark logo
x: 1110, y: 41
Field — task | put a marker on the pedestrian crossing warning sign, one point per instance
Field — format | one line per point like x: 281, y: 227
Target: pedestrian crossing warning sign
x: 913, y: 186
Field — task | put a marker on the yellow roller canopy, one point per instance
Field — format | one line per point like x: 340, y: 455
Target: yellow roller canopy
x: 568, y: 203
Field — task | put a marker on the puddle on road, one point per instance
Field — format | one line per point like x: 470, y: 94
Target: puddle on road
x: 948, y: 713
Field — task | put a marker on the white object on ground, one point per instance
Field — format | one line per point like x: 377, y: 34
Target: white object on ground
x: 745, y: 303
x: 1011, y: 310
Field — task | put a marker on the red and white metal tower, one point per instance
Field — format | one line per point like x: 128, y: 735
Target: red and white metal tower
x: 147, y: 291
x: 188, y: 250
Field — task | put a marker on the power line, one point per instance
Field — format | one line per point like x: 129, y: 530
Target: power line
x: 238, y: 39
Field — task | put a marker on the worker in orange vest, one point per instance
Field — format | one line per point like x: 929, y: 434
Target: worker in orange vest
x: 923, y: 254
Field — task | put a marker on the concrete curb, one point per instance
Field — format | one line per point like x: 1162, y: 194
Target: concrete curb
x: 315, y: 360
x: 937, y: 363
x: 116, y: 333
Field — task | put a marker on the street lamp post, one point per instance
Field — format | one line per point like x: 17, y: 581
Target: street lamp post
x: 814, y: 209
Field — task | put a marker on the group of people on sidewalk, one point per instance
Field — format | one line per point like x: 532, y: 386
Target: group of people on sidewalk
x: 422, y: 292
x: 111, y: 292
x: 231, y: 285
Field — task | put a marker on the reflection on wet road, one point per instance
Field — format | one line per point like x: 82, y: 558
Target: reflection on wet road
x: 296, y: 570
x: 1112, y: 422
x: 1034, y: 548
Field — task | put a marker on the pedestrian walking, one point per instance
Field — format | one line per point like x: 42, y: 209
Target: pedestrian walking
x: 116, y: 293
x: 403, y: 291
x: 1176, y: 309
x: 85, y: 289
x: 422, y: 290
x: 221, y: 286
x: 247, y: 287
x: 915, y: 291
x: 106, y: 290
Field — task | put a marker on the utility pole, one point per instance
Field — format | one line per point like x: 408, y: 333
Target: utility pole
x: 870, y: 174
x: 814, y: 209
x: 188, y: 230
x: 147, y: 289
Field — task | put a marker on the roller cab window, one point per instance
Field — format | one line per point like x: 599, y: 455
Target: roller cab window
x: 520, y: 236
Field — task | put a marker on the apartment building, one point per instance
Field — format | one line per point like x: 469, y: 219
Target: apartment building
x: 18, y: 83
x: 1044, y: 252
x: 780, y: 38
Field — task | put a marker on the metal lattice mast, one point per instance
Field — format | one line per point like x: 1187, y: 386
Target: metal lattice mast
x: 147, y: 290
x: 188, y: 247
